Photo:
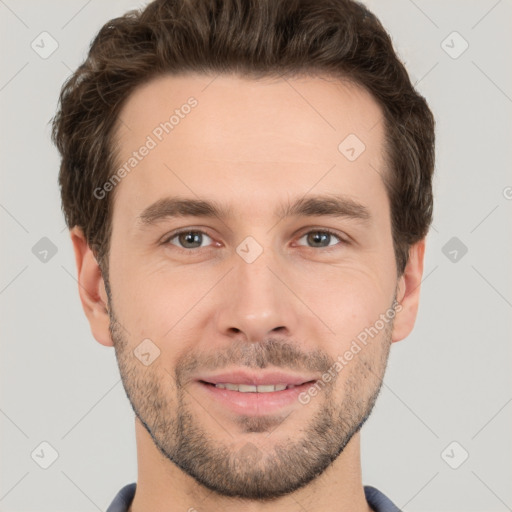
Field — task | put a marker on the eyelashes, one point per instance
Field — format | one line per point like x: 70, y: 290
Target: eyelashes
x: 198, y: 233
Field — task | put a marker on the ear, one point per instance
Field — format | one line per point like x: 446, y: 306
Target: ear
x: 91, y: 288
x: 408, y: 292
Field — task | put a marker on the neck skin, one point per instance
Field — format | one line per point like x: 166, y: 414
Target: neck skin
x: 164, y: 487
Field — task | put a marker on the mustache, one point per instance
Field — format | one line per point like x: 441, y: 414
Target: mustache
x: 273, y: 352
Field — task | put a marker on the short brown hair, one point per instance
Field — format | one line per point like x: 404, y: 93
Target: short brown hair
x: 254, y: 38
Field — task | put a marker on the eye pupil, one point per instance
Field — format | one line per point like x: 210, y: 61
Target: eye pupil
x: 317, y: 237
x: 190, y: 237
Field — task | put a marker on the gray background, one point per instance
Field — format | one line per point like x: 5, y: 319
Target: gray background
x: 450, y: 381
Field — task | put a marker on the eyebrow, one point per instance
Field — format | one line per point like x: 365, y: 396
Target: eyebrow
x: 329, y: 205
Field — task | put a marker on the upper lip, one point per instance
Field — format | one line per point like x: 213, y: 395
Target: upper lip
x: 257, y: 379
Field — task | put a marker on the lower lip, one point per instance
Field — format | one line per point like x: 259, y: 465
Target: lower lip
x: 255, y: 404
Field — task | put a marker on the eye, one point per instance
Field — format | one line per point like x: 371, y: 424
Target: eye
x: 194, y: 239
x: 188, y: 239
x: 319, y: 237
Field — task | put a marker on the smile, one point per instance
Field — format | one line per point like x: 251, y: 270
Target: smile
x: 248, y: 388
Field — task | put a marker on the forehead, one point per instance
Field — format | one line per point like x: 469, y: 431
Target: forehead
x: 224, y: 134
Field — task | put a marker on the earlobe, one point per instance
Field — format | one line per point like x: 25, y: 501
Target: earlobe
x: 408, y: 292
x: 91, y: 288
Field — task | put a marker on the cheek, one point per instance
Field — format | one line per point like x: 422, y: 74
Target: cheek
x: 146, y: 302
x: 168, y: 305
x: 348, y: 299
x: 156, y: 301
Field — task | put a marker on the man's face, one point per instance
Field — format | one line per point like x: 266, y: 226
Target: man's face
x: 248, y: 290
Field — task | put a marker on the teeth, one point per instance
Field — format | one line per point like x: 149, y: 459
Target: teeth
x: 249, y: 388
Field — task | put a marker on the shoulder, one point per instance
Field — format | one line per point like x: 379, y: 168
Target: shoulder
x: 123, y: 499
x: 378, y: 501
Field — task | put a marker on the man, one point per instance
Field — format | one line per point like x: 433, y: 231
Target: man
x: 248, y: 190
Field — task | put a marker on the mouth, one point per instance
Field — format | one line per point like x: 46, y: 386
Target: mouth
x: 250, y: 388
x: 254, y: 394
x: 250, y: 381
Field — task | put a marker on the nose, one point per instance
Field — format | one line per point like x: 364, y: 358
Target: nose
x: 256, y: 301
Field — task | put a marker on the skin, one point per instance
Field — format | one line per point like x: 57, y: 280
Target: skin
x: 250, y: 145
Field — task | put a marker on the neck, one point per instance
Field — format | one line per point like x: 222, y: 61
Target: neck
x: 164, y: 487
